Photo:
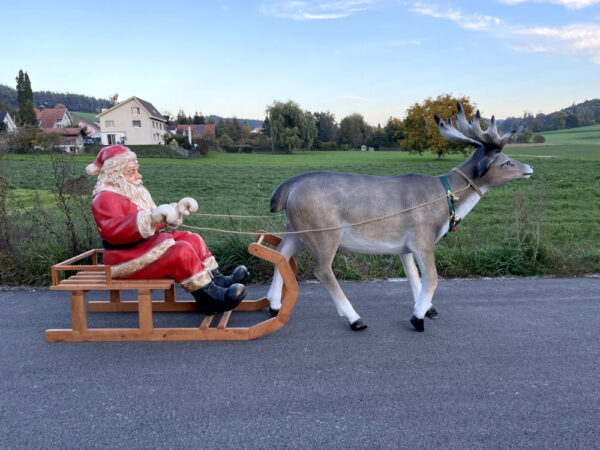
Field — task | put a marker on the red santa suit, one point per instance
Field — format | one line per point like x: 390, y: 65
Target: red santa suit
x: 134, y: 247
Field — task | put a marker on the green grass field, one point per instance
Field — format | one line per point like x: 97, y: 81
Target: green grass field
x: 89, y: 116
x: 496, y: 238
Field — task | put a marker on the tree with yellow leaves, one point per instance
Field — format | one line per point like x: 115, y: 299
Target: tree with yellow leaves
x: 420, y: 130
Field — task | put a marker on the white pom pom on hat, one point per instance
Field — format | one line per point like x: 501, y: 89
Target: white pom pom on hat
x: 104, y: 155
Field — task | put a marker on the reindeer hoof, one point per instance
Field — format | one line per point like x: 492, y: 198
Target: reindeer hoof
x: 432, y: 313
x: 419, y: 324
x: 358, y: 325
x: 273, y: 312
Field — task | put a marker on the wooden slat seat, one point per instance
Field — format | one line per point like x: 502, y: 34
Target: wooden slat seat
x: 97, y: 277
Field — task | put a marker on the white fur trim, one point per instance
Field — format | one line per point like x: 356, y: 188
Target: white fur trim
x: 210, y: 263
x: 197, y: 281
x: 129, y: 267
x: 92, y: 169
x: 144, y: 223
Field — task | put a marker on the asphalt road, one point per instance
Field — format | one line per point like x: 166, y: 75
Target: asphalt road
x: 509, y: 363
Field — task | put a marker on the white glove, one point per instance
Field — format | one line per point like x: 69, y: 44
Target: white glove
x: 166, y: 214
x: 187, y: 205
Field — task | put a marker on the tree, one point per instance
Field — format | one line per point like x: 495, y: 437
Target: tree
x: 182, y: 118
x: 326, y: 127
x: 211, y: 121
x: 525, y: 137
x: 379, y: 138
x: 238, y: 129
x: 308, y: 130
x: 266, y: 127
x: 244, y: 131
x: 198, y: 119
x: 230, y: 130
x: 354, y: 130
x: 571, y: 121
x: 220, y: 128
x: 26, y: 114
x: 5, y: 106
x: 289, y: 126
x: 394, y: 130
x: 559, y: 120
x: 420, y: 130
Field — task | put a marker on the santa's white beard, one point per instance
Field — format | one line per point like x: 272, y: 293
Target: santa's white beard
x: 137, y: 194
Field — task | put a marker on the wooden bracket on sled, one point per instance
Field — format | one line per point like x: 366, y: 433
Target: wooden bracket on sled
x: 97, y: 277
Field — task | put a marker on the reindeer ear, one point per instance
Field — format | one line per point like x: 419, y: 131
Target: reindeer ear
x: 484, y: 160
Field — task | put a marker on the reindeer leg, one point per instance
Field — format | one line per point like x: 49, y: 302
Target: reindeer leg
x: 288, y: 248
x: 324, y: 252
x: 410, y: 269
x: 426, y: 261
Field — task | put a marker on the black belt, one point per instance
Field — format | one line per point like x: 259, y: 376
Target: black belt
x: 108, y: 246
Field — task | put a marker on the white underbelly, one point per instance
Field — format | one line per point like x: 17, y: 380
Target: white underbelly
x: 359, y: 244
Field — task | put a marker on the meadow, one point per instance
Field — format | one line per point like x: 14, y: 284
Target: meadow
x: 546, y: 225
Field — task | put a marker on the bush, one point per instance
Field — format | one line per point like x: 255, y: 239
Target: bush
x: 226, y: 143
x: 539, y: 139
x: 201, y: 146
x: 329, y: 145
x: 154, y: 151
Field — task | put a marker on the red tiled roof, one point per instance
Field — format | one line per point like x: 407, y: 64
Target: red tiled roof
x: 49, y: 116
x: 65, y: 131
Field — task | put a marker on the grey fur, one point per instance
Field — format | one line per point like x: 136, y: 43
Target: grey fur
x: 324, y: 200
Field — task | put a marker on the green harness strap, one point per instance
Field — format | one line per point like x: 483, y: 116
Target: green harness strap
x: 454, y: 220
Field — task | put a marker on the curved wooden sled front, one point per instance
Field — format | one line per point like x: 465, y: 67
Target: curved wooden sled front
x: 97, y: 277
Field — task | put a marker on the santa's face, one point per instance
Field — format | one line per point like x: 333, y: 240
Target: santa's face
x: 131, y: 173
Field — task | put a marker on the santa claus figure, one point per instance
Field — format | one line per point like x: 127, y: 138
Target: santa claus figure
x: 130, y: 225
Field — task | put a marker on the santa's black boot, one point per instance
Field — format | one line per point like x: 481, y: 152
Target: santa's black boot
x: 239, y: 275
x: 212, y: 299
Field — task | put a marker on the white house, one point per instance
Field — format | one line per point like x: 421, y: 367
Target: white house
x: 8, y: 121
x: 132, y: 122
x: 49, y: 118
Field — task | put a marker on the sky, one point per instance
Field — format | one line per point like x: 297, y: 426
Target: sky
x: 373, y: 57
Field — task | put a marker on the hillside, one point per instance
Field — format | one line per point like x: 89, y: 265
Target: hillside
x: 582, y: 114
x: 73, y: 102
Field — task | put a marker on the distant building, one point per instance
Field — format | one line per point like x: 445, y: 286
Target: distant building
x: 132, y: 122
x: 198, y: 130
x: 8, y: 121
x: 88, y: 126
x: 71, y: 139
x: 53, y: 118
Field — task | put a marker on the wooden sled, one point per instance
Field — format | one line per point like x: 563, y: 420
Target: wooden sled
x: 96, y: 277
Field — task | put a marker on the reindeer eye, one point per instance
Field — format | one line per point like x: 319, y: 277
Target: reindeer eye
x: 508, y: 163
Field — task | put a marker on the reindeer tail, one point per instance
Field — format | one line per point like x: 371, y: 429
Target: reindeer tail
x: 280, y: 195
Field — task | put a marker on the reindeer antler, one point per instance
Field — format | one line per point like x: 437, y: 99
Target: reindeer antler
x: 470, y: 132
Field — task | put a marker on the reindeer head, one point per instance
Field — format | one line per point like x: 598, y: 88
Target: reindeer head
x: 488, y: 160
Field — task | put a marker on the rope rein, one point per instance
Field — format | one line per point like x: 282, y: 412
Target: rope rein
x: 317, y: 230
x: 468, y: 180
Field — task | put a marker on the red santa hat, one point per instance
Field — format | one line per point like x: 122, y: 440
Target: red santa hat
x: 112, y: 151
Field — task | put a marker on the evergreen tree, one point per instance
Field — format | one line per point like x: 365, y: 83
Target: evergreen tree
x: 198, y: 119
x: 182, y: 118
x: 26, y: 114
x: 266, y: 127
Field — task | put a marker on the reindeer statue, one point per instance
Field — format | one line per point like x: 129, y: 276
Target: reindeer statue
x: 396, y: 215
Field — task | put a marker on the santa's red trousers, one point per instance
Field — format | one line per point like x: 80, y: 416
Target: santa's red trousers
x: 180, y: 261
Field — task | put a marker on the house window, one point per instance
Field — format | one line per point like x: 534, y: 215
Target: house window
x: 135, y: 110
x: 137, y: 124
x: 111, y: 139
x: 109, y: 124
